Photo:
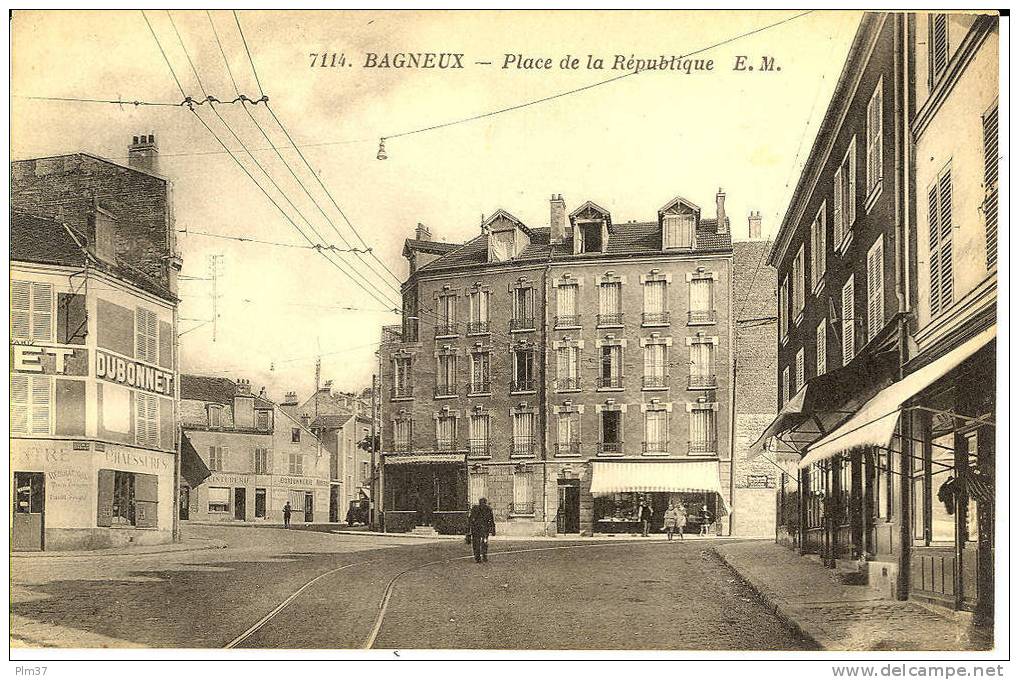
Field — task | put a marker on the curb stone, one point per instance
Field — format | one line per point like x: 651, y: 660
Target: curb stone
x: 92, y: 554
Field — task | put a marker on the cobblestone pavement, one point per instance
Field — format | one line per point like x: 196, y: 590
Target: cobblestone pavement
x: 604, y: 595
x: 843, y: 617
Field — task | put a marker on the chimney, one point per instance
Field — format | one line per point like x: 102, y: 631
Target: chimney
x: 290, y: 399
x: 755, y: 225
x: 557, y: 220
x: 143, y: 154
x: 243, y: 386
x: 422, y: 233
x: 720, y: 211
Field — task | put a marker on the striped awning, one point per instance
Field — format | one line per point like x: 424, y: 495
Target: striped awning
x: 657, y: 477
x: 423, y: 458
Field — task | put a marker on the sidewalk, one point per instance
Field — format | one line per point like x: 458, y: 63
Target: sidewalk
x: 187, y: 545
x: 842, y: 617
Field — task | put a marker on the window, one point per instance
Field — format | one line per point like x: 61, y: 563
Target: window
x: 478, y: 322
x: 146, y: 335
x: 402, y: 386
x: 523, y: 309
x: 261, y: 461
x: 260, y: 503
x: 702, y: 430
x: 875, y: 287
x: 568, y: 433
x: 447, y: 315
x: 295, y: 435
x: 402, y: 434
x: 568, y: 368
x: 31, y: 404
x: 219, y: 499
x: 295, y: 464
x: 881, y: 480
x: 818, y: 248
x: 655, y: 362
x: 786, y: 391
x: 445, y: 375
x: 215, y: 415
x: 822, y: 347
x: 522, y: 503
x: 991, y: 184
x: 815, y: 499
x: 566, y: 305
x: 848, y: 322
x: 611, y: 366
x: 146, y: 421
x: 217, y: 456
x: 611, y: 432
x: 800, y: 370
x: 942, y: 470
x: 702, y: 300
x: 590, y: 237
x: 844, y: 190
x: 678, y: 231
x: 445, y: 432
x: 799, y: 280
x: 655, y: 302
x: 523, y: 434
x: 610, y: 303
x: 365, y: 471
x: 479, y: 433
x: 656, y: 431
x: 481, y: 363
x: 124, y: 501
x: 702, y: 364
x: 783, y: 308
x: 874, y: 138
x: 523, y: 370
x: 939, y: 220
x: 31, y: 311
x: 477, y: 486
x: 262, y: 420
x: 938, y: 41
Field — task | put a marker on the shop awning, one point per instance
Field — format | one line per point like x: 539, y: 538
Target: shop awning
x: 656, y: 477
x: 192, y: 468
x: 874, y: 423
x: 423, y: 458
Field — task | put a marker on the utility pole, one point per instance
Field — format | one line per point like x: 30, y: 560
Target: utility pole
x: 214, y: 277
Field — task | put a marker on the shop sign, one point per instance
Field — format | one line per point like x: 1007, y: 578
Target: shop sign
x: 133, y: 374
x: 147, y: 461
x: 236, y: 480
x: 49, y: 360
x: 760, y: 482
x: 303, y: 481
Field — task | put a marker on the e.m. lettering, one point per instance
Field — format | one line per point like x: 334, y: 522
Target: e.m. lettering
x: 422, y: 60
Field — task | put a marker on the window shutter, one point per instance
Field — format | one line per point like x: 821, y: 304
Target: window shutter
x: 939, y: 45
x: 42, y: 311
x: 104, y: 513
x: 785, y: 385
x: 837, y: 208
x: 39, y: 421
x: 934, y: 257
x: 991, y: 185
x: 800, y: 370
x: 848, y: 324
x: 20, y: 406
x: 875, y: 288
x: 822, y: 347
x: 850, y: 206
x: 874, y: 138
x: 945, y: 198
x: 21, y: 310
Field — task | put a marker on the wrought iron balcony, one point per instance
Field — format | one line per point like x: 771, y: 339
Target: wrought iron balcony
x: 613, y: 381
x: 703, y: 382
x: 656, y: 447
x: 567, y: 320
x: 568, y: 449
x: 526, y: 385
x: 614, y: 319
x: 521, y: 324
x: 702, y: 316
x: 567, y: 384
x: 401, y: 392
x: 655, y: 381
x: 656, y: 318
x: 522, y: 446
x: 703, y: 447
x: 445, y: 329
x: 402, y: 448
x: 479, y: 387
x: 445, y: 445
x: 445, y: 390
x: 526, y: 508
x: 477, y: 327
x: 480, y: 448
x: 610, y: 448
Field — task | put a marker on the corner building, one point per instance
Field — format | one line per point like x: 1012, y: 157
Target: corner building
x: 563, y: 372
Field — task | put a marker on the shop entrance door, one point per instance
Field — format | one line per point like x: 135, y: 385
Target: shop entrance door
x: 29, y: 511
x: 260, y: 503
x: 309, y: 506
x: 568, y: 518
x: 240, y: 503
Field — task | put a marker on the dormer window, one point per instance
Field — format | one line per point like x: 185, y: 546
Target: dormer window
x: 590, y: 237
x: 678, y: 231
x: 215, y: 415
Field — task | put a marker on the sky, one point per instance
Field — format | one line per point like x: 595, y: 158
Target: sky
x: 629, y: 145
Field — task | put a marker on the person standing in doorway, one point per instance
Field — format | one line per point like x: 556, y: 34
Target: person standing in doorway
x: 675, y: 519
x: 645, y: 518
x: 286, y: 515
x: 706, y: 519
x: 480, y: 525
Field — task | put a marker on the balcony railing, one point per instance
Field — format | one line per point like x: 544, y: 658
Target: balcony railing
x: 445, y: 328
x: 479, y: 387
x: 402, y: 447
x: 656, y: 318
x: 480, y: 448
x: 613, y: 381
x: 703, y: 382
x: 655, y: 381
x: 522, y: 446
x: 610, y: 448
x: 702, y: 316
x: 567, y: 449
x: 445, y: 445
x: 567, y: 320
x: 656, y: 447
x: 526, y: 508
x: 477, y: 327
x: 445, y: 390
x: 526, y: 385
x: 521, y: 324
x: 614, y: 319
x: 703, y: 447
x: 567, y: 384
x: 401, y: 392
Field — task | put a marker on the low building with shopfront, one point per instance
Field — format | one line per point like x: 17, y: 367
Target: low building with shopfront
x: 259, y: 457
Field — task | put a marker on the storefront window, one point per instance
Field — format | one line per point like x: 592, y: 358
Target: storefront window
x: 943, y: 488
x: 845, y: 468
x: 972, y: 515
x: 123, y: 499
x: 219, y: 499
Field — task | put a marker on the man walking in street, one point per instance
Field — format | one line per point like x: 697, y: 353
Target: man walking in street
x: 645, y: 518
x: 286, y: 515
x: 480, y: 525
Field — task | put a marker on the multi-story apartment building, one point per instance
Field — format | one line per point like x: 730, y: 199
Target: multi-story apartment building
x: 260, y: 458
x: 887, y: 311
x: 93, y: 317
x: 564, y: 372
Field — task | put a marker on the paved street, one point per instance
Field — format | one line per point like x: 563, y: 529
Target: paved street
x: 533, y: 594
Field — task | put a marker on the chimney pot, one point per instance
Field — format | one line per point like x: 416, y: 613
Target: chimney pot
x: 557, y: 219
x: 720, y: 211
x: 754, y: 223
